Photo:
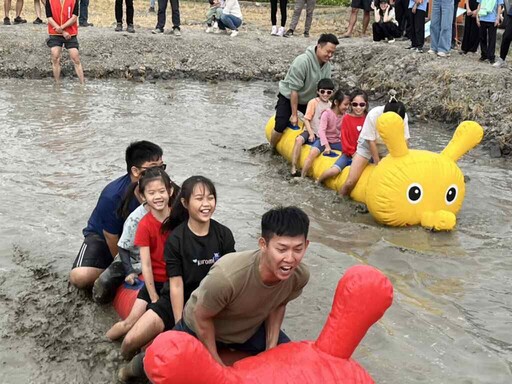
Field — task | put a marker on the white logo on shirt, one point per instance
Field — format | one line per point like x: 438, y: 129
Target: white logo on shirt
x: 359, y: 127
x: 203, y: 262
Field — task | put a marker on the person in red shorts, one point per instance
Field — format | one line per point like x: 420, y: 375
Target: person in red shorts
x: 63, y: 31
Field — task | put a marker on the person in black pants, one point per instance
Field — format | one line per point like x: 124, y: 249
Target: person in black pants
x: 488, y: 24
x: 417, y: 12
x: 273, y: 16
x: 505, y: 41
x: 84, y: 14
x: 401, y: 11
x: 454, y: 24
x: 129, y: 16
x: 385, y: 26
x: 162, y: 8
x: 471, y: 37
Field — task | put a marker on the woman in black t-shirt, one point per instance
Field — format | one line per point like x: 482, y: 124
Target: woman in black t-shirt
x: 195, y: 244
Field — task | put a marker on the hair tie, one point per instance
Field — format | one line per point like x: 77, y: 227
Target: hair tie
x: 392, y: 96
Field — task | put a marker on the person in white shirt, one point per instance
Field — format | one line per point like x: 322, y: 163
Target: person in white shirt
x: 385, y: 26
x: 370, y: 145
x: 231, y: 17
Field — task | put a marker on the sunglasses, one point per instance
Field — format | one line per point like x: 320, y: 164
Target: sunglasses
x: 162, y: 167
x: 362, y: 105
x: 326, y: 91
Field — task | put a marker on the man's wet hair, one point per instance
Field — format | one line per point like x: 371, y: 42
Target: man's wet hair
x: 327, y: 38
x: 325, y: 84
x: 284, y: 221
x: 393, y: 105
x: 140, y: 152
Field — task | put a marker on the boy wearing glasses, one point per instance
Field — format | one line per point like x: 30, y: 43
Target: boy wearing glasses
x: 316, y: 106
x: 104, y: 226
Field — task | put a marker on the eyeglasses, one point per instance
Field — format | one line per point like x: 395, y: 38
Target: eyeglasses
x: 362, y: 105
x: 161, y: 166
x: 326, y: 91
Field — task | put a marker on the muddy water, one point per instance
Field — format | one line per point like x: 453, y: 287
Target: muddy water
x: 452, y: 314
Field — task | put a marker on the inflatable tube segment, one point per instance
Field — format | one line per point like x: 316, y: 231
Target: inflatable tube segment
x: 409, y: 186
x: 362, y: 296
x: 125, y: 298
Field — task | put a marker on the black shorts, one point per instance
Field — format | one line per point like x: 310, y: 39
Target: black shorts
x: 256, y: 344
x: 284, y: 112
x: 94, y: 252
x: 163, y: 308
x: 362, y: 4
x: 59, y: 41
x: 144, y: 294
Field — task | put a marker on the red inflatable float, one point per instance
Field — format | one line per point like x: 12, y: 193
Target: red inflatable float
x: 362, y: 296
x: 125, y: 296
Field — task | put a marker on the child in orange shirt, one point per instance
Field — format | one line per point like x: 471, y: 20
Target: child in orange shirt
x: 316, y: 106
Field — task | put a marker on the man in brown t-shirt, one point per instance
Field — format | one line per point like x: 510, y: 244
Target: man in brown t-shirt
x: 241, y: 303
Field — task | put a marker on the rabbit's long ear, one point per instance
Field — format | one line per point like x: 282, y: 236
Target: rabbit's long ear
x: 467, y: 135
x: 391, y: 129
x: 362, y: 296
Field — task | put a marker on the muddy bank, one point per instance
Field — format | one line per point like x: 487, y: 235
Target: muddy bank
x: 446, y: 90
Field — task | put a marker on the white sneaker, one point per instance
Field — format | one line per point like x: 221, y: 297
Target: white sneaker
x: 209, y: 30
x: 443, y: 54
x: 274, y: 30
x: 215, y: 26
x: 280, y: 31
x: 391, y: 41
x: 500, y: 63
x: 234, y: 33
x: 176, y: 32
x: 431, y: 52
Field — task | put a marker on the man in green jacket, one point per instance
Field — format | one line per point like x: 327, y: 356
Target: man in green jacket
x: 300, y: 84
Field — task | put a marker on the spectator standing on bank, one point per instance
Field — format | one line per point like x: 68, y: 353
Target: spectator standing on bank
x: 505, y: 42
x: 471, y: 37
x: 488, y: 18
x: 37, y: 10
x: 417, y: 13
x: 162, y: 8
x: 402, y: 16
x: 63, y: 31
x: 441, y: 28
x: 356, y: 5
x: 129, y: 16
x: 299, y: 6
x: 84, y: 14
x: 19, y: 7
x: 273, y: 16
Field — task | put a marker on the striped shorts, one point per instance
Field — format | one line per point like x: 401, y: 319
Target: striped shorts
x: 94, y: 252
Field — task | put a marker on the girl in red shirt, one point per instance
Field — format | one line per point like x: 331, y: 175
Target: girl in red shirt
x: 351, y: 126
x: 155, y: 187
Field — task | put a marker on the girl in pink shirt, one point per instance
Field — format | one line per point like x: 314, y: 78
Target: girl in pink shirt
x: 351, y: 126
x: 329, y: 130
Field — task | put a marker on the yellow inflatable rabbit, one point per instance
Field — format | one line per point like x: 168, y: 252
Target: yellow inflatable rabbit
x: 407, y: 187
